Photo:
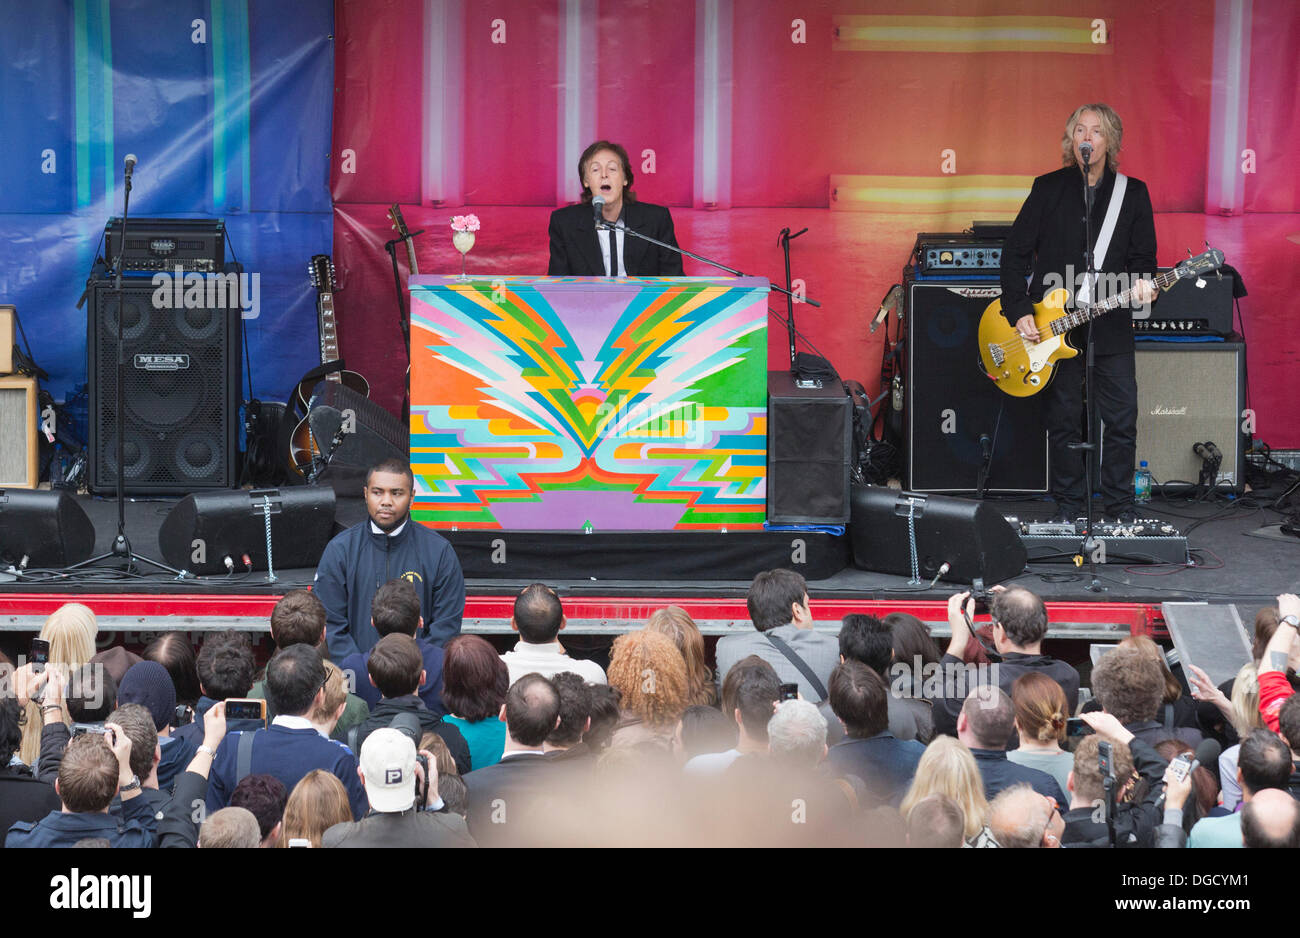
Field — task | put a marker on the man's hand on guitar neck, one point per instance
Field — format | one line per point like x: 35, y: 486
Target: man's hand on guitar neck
x: 1027, y: 328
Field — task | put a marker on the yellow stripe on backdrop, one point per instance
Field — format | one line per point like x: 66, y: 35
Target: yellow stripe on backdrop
x: 910, y: 194
x: 1057, y: 34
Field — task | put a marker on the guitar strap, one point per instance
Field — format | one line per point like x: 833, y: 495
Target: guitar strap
x: 1104, y: 236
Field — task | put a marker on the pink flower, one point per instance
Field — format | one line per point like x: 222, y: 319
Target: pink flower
x: 458, y: 223
x: 471, y: 223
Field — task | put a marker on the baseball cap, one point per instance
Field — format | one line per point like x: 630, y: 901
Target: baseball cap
x: 388, y: 762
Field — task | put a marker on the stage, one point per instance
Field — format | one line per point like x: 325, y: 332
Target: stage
x: 1231, y: 567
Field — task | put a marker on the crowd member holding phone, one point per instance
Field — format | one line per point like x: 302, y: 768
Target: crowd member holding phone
x: 94, y: 769
x: 290, y: 747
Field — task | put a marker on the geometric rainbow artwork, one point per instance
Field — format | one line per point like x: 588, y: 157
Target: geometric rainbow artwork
x: 589, y: 403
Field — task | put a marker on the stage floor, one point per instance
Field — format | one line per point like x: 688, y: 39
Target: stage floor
x: 1231, y: 566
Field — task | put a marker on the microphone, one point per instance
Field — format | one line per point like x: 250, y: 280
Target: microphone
x: 887, y: 305
x: 130, y: 163
x: 597, y: 203
x: 1207, y: 451
x: 986, y: 446
x: 1085, y: 150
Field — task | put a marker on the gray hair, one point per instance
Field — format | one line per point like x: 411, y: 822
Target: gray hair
x: 1017, y: 817
x: 231, y: 827
x: 797, y: 732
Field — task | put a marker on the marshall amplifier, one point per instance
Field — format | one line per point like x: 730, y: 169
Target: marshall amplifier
x: 1191, y: 393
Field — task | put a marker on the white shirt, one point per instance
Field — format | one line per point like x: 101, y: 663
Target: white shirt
x: 603, y: 237
x: 711, y: 763
x: 376, y: 529
x: 296, y: 723
x: 549, y: 660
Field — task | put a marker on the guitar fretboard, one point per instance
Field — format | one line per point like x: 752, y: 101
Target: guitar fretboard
x: 329, y: 337
x: 1078, y: 317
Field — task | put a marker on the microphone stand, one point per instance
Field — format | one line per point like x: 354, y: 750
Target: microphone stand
x: 1088, y: 446
x: 784, y: 241
x: 121, y: 548
x: 602, y: 225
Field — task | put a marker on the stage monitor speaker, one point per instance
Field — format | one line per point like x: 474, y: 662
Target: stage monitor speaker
x: 951, y: 404
x: 809, y: 445
x: 19, y: 450
x: 971, y: 537
x: 1189, y: 393
x: 48, y: 528
x: 205, y: 528
x: 181, y: 392
x: 353, y: 433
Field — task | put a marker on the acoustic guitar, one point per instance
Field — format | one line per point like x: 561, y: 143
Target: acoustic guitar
x: 303, y: 448
x: 1022, y: 368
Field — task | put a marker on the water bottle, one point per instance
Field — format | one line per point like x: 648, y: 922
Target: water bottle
x: 1142, y: 484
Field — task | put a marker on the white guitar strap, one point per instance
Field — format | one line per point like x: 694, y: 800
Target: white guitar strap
x: 1103, y: 238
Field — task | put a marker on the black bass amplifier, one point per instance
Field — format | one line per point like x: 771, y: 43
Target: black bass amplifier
x: 163, y: 244
x: 1191, y: 306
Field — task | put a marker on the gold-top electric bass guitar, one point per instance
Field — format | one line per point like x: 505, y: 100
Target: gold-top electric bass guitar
x: 1022, y: 368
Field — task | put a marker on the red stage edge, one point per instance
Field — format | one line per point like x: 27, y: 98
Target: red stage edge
x: 491, y: 614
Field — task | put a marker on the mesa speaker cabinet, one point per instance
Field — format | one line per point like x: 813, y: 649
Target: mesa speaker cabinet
x: 950, y: 403
x: 181, y: 392
x: 1191, y: 393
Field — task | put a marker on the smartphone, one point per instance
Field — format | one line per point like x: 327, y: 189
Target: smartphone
x: 39, y: 654
x: 1075, y: 728
x: 81, y: 729
x: 245, y: 708
x: 1182, y: 764
x: 789, y: 692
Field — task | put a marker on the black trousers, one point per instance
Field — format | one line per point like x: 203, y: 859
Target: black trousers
x: 1115, y: 402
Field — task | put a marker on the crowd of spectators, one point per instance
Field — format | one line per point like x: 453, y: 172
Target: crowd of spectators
x: 801, y: 737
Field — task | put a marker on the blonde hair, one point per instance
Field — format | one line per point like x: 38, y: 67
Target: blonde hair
x: 677, y: 624
x: 1245, y: 701
x: 317, y: 803
x: 71, y: 630
x: 336, y: 695
x: 948, y: 768
x: 1112, y: 128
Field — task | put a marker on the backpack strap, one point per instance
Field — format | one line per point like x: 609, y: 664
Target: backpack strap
x: 802, y: 666
x: 352, y: 738
x: 244, y: 756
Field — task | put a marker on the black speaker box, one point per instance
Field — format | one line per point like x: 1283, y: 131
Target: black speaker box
x: 971, y: 537
x: 48, y: 528
x: 809, y: 442
x: 353, y: 433
x: 205, y: 528
x: 950, y: 403
x: 180, y: 392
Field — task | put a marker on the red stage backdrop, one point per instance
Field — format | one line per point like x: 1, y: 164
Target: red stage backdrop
x: 864, y: 121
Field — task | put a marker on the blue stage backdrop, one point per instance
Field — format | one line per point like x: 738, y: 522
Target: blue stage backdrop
x: 226, y: 103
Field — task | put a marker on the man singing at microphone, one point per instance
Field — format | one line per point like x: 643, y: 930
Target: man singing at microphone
x: 1046, y: 244
x: 579, y: 249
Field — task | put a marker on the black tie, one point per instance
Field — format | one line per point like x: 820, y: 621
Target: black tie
x: 613, y: 252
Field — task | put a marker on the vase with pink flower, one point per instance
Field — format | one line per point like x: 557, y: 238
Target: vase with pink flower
x: 462, y: 238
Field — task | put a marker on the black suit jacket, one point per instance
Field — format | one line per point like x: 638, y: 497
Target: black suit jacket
x: 575, y: 252
x: 1047, y: 238
x: 504, y: 799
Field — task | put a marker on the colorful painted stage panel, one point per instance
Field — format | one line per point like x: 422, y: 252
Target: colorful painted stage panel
x: 572, y: 403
